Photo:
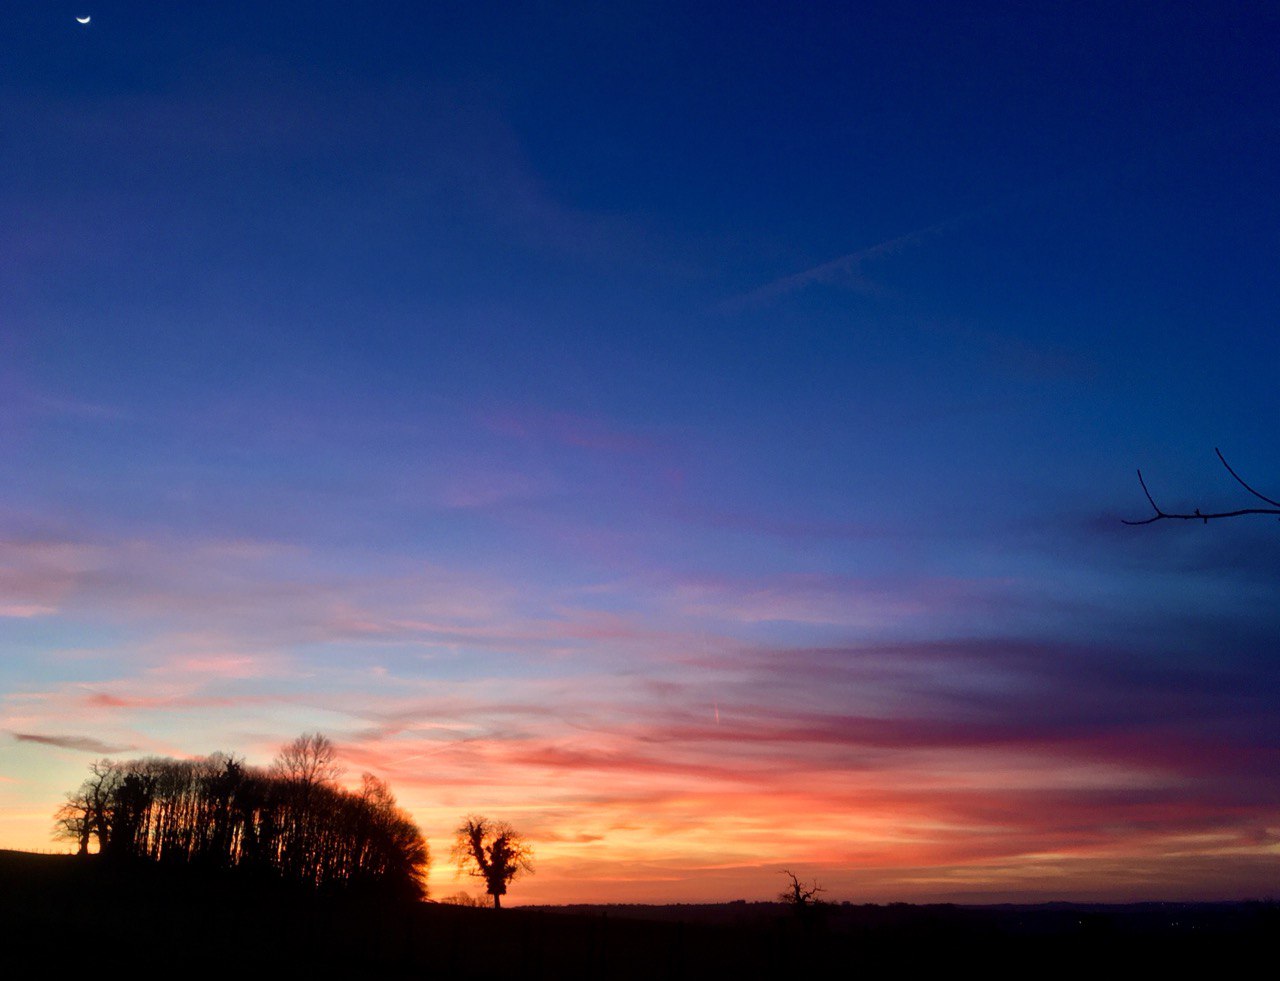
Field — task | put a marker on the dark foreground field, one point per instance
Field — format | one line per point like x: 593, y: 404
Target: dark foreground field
x: 72, y: 916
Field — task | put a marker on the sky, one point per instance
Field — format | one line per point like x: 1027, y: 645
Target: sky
x: 697, y: 434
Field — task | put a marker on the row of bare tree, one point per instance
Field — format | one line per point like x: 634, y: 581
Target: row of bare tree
x: 291, y: 820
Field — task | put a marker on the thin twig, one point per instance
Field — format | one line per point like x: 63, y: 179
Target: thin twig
x: 1159, y: 513
x: 1241, y: 480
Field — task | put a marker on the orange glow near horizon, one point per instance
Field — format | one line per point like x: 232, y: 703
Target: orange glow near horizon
x: 675, y: 763
x: 700, y: 811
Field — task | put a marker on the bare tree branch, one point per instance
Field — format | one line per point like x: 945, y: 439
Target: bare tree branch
x: 1241, y: 480
x: 1197, y: 514
x: 798, y: 894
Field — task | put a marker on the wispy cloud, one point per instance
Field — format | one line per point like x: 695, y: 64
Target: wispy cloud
x: 567, y: 429
x: 458, y: 148
x: 777, y: 526
x: 19, y: 401
x: 846, y: 271
x: 976, y: 761
x: 85, y: 744
x: 816, y: 598
x: 37, y: 575
x: 662, y: 715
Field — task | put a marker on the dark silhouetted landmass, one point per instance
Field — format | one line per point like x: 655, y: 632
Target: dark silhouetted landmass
x: 60, y: 911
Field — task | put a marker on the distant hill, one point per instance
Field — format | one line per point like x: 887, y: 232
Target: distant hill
x: 61, y: 913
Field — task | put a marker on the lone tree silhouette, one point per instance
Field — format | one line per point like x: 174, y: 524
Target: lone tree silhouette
x: 493, y: 851
x: 798, y: 894
x: 1205, y: 516
x: 803, y: 900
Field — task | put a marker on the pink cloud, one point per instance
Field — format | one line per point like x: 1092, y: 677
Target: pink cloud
x: 26, y: 611
x: 964, y: 762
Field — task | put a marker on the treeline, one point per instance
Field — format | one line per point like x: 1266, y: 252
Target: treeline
x: 290, y: 821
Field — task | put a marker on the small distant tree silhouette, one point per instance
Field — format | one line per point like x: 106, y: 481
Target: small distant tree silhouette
x: 492, y: 851
x: 803, y: 900
x: 798, y: 894
x: 461, y: 899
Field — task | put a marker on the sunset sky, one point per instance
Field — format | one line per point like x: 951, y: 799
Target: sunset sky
x: 695, y: 433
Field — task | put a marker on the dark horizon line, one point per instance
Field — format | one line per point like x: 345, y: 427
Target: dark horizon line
x: 1084, y: 904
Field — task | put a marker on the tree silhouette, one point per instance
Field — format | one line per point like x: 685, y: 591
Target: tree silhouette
x: 1205, y: 516
x: 71, y: 822
x: 803, y: 900
x: 798, y: 894
x: 291, y: 821
x: 84, y: 815
x: 492, y: 851
x: 309, y: 760
x: 89, y: 812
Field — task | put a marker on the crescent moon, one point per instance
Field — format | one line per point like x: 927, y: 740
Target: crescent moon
x: 83, y: 20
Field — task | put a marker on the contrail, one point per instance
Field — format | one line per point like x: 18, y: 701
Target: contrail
x: 845, y: 269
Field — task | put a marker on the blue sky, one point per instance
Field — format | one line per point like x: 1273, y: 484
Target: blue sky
x: 527, y: 390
